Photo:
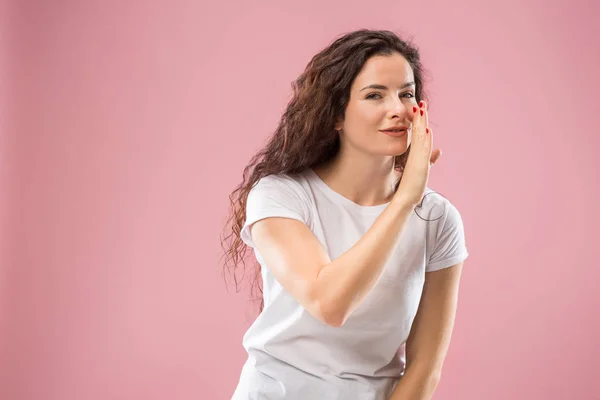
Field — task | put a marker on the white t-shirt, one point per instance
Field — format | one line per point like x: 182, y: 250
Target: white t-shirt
x: 294, y: 356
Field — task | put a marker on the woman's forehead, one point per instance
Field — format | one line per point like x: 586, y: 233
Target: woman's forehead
x: 389, y: 70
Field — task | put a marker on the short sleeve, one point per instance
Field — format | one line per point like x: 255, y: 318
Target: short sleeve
x: 449, y: 248
x: 274, y: 196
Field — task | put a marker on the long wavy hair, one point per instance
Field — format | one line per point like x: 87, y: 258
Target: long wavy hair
x: 305, y: 136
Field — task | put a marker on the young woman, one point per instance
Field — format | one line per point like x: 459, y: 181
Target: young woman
x: 359, y: 260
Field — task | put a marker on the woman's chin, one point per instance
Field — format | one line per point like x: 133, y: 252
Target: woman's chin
x: 395, y: 150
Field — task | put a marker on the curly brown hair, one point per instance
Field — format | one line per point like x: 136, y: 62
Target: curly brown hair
x: 305, y: 137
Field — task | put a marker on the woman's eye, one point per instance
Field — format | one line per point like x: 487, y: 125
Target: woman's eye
x: 408, y: 95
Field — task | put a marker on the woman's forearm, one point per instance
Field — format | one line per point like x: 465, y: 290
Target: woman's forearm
x: 343, y: 283
x: 416, y: 385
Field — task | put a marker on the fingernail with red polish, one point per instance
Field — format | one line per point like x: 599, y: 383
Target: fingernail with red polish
x: 427, y: 130
x: 421, y: 103
x: 421, y: 112
x: 414, y: 109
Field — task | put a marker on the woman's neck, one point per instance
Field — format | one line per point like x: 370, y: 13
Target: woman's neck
x: 367, y: 181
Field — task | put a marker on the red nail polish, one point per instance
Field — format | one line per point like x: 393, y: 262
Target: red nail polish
x: 427, y: 130
x: 421, y: 112
x: 414, y: 109
x: 421, y: 103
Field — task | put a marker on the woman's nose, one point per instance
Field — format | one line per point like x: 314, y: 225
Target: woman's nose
x: 399, y: 108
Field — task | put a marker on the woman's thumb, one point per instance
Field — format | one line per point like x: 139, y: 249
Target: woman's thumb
x: 435, y: 155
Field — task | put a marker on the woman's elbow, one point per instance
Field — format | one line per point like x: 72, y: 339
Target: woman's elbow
x: 324, y: 308
x: 330, y: 313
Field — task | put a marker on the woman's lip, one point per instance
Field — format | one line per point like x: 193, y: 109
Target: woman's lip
x: 394, y: 133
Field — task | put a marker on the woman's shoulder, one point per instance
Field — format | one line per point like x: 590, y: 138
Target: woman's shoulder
x: 437, y: 206
x: 275, y: 195
x: 283, y: 182
x: 288, y: 188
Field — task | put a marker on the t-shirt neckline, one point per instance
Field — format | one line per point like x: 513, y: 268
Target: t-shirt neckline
x: 344, y: 200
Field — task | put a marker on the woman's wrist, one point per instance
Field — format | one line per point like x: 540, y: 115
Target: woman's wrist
x: 402, y: 203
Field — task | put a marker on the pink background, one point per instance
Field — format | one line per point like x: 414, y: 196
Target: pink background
x: 125, y: 125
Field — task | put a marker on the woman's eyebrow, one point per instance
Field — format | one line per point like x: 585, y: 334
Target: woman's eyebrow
x: 383, y: 87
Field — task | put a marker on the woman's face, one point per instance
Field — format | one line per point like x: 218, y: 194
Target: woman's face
x: 381, y: 97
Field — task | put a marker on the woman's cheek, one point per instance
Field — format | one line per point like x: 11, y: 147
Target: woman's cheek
x: 410, y: 103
